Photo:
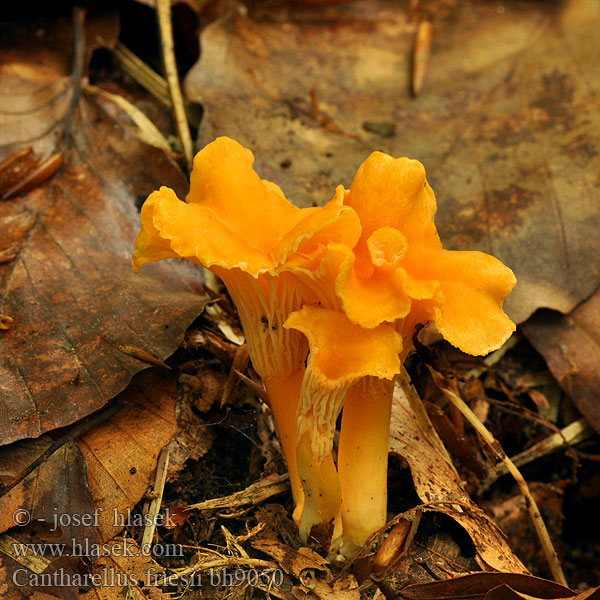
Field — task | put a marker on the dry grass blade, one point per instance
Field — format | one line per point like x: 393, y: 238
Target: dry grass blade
x: 146, y: 130
x: 532, y: 507
x: 149, y: 79
x: 37, y: 564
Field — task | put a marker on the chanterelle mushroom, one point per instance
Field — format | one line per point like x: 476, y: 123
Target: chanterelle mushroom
x: 341, y: 353
x: 247, y: 233
x: 399, y: 273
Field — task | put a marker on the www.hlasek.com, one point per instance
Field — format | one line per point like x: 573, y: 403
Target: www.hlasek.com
x: 110, y: 577
x: 85, y: 548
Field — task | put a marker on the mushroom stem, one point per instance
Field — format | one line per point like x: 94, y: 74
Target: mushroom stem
x: 322, y: 496
x: 319, y: 406
x: 362, y: 460
x: 283, y: 393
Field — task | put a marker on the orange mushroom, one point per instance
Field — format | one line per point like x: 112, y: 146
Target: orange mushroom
x: 398, y: 273
x: 244, y: 230
x: 341, y: 353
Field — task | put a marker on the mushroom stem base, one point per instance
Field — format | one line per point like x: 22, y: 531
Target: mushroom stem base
x: 362, y: 460
x: 322, y: 497
x: 284, y: 393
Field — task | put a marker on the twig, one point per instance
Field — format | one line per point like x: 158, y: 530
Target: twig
x: 34, y: 176
x: 258, y: 389
x: 422, y: 54
x: 137, y: 353
x: 569, y: 435
x: 163, y: 8
x: 532, y: 507
x: 159, y: 486
x: 254, y: 494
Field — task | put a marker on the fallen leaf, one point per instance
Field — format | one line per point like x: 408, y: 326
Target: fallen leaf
x: 508, y: 131
x: 58, y: 580
x: 437, y: 486
x: 311, y: 570
x: 571, y: 346
x: 510, y: 513
x: 504, y: 592
x: 70, y: 291
x: 192, y: 440
x: 489, y: 586
x: 50, y: 495
x: 121, y: 454
x: 294, y: 562
x: 13, y: 230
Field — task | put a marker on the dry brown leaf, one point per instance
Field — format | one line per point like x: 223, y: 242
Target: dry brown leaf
x: 192, y: 440
x: 504, y: 592
x: 571, y: 346
x: 312, y: 571
x: 121, y: 454
x: 59, y: 580
x: 437, y: 485
x: 5, y: 594
x: 294, y: 562
x: 508, y: 131
x: 57, y: 487
x: 510, y: 513
x: 492, y: 586
x: 69, y: 289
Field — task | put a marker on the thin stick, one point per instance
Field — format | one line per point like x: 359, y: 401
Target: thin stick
x: 532, y: 507
x: 159, y: 487
x: 254, y: 494
x: 421, y: 56
x: 163, y: 8
x: 568, y: 436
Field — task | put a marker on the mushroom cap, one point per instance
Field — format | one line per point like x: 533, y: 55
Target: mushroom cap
x: 234, y: 219
x: 399, y: 270
x: 341, y: 351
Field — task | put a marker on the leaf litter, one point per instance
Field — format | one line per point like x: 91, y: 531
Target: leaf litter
x: 227, y: 530
x: 507, y: 131
x: 73, y: 314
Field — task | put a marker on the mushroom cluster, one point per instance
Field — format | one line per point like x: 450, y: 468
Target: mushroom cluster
x: 329, y: 299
